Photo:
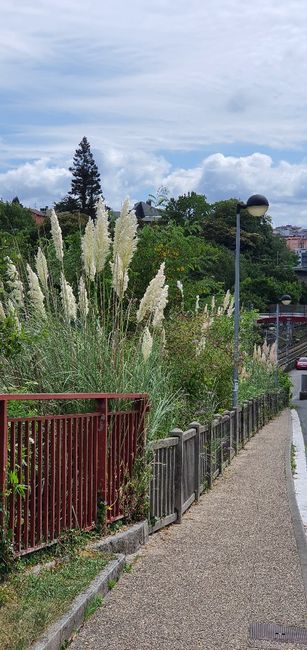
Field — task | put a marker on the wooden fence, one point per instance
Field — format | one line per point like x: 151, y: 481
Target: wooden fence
x: 186, y: 463
x: 55, y: 470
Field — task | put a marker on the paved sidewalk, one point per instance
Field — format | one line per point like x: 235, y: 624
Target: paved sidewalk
x: 233, y: 561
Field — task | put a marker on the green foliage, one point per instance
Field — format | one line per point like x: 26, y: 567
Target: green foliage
x: 187, y: 211
x: 11, y: 337
x: 31, y: 602
x: 92, y: 606
x: 134, y: 498
x: 203, y: 268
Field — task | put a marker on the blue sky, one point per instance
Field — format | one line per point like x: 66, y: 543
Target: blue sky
x: 209, y: 96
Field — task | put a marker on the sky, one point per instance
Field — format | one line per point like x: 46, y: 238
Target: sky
x: 206, y: 95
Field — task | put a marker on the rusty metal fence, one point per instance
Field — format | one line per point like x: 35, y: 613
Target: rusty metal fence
x: 187, y: 462
x: 55, y: 469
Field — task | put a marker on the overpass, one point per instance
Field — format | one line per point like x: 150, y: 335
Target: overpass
x: 287, y: 313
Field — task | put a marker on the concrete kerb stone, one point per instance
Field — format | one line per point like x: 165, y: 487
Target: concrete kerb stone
x: 298, y: 527
x: 63, y: 629
x: 127, y: 542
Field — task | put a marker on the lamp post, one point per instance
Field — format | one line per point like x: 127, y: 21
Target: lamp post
x: 257, y: 206
x: 284, y: 300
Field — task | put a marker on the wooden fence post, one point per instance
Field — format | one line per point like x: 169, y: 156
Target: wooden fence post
x: 178, y: 433
x: 196, y: 426
x: 237, y: 411
x: 3, y: 460
x: 220, y: 428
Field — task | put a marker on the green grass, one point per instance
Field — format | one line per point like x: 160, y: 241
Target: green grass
x: 293, y: 463
x: 30, y: 603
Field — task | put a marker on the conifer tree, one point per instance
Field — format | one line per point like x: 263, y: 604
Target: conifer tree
x: 85, y: 184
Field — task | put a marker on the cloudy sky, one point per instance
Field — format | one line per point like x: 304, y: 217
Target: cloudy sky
x: 205, y: 95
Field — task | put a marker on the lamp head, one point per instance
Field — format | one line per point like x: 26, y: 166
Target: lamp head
x: 285, y: 300
x: 257, y: 205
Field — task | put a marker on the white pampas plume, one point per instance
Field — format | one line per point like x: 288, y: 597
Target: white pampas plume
x: 102, y: 237
x: 226, y: 301
x: 15, y: 284
x: 124, y: 245
x: 68, y: 300
x: 180, y: 287
x: 158, y: 315
x: 119, y: 278
x: 230, y: 308
x: 200, y: 346
x: 2, y: 312
x: 197, y: 304
x: 163, y: 337
x: 89, y: 250
x: 35, y: 293
x: 11, y: 310
x: 56, y: 233
x: 152, y: 295
x: 83, y: 299
x: 213, y: 303
x: 147, y: 343
x: 273, y: 354
x: 42, y: 268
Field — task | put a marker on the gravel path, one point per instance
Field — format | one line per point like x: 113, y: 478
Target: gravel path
x: 232, y: 561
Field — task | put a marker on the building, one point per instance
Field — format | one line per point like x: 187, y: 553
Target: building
x: 37, y: 216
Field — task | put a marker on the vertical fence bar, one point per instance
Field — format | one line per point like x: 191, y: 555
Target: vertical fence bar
x: 46, y: 520
x: 178, y: 433
x: 3, y: 460
x: 33, y: 486
x: 69, y: 474
x: 64, y: 474
x: 12, y: 468
x: 102, y: 408
x: 196, y: 426
x: 75, y: 469
x: 27, y: 484
x: 58, y: 442
x: 39, y: 482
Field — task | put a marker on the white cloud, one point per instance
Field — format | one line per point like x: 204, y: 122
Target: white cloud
x: 156, y: 74
x: 138, y: 174
x: 33, y: 182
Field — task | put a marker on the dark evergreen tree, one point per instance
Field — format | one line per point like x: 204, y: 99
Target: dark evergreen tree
x: 85, y: 184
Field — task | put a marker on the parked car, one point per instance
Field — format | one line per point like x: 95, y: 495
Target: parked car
x: 301, y: 363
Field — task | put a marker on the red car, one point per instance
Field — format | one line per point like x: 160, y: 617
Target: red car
x: 301, y: 363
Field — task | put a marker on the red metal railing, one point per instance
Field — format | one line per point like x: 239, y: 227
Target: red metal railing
x: 55, y: 468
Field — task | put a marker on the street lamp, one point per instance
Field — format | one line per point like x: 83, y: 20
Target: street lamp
x: 257, y: 206
x: 284, y: 300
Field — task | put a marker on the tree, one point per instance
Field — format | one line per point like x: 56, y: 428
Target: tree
x: 189, y: 211
x: 85, y: 184
x: 67, y: 204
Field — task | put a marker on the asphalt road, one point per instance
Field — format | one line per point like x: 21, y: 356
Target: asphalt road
x: 300, y: 405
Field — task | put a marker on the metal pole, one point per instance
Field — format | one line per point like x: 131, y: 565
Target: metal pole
x: 277, y: 344
x: 236, y: 314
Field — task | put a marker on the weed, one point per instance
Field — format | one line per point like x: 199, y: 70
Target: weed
x: 112, y: 583
x: 127, y: 567
x: 92, y: 606
x: 293, y: 461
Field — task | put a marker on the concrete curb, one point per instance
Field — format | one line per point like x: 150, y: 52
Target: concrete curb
x: 297, y: 522
x: 63, y: 629
x: 127, y: 542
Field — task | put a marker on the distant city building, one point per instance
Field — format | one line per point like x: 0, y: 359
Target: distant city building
x: 296, y: 240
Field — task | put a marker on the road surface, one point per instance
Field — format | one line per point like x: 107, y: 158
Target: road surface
x: 300, y: 405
